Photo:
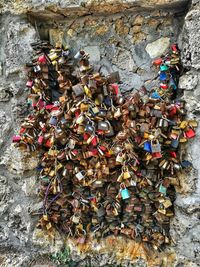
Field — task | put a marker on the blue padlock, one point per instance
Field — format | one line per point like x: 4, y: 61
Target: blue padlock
x: 155, y: 95
x: 53, y: 120
x: 124, y: 192
x: 147, y: 146
x: 172, y: 83
x: 163, y: 76
x: 107, y: 101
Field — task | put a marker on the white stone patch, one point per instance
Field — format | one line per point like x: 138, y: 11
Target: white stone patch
x: 188, y: 81
x: 29, y: 186
x: 18, y: 161
x: 158, y: 47
x: 18, y: 209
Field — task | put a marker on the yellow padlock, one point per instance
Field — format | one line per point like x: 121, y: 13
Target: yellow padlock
x: 126, y: 173
x: 183, y: 124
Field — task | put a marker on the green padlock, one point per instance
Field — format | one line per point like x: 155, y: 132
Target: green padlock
x: 164, y: 67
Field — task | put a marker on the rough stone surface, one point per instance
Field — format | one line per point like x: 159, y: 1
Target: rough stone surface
x: 158, y: 47
x: 189, y: 81
x: 119, y: 37
x: 60, y: 9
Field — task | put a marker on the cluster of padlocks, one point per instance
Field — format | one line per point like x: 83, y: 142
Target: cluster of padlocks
x: 108, y: 163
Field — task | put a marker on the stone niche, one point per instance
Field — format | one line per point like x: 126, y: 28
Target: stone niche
x: 120, y: 36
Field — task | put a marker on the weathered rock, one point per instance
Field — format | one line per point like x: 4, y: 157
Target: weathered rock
x: 188, y: 81
x: 191, y: 35
x: 17, y: 48
x: 94, y: 53
x: 41, y: 239
x: 30, y: 186
x: 59, y: 9
x: 4, y: 94
x: 55, y: 36
x: 5, y: 126
x: 18, y: 161
x: 157, y: 48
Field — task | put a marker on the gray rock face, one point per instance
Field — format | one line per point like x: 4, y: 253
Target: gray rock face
x: 158, y: 47
x: 117, y: 41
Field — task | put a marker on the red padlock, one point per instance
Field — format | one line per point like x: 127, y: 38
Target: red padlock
x: 174, y: 47
x: 172, y: 110
x: 40, y: 139
x: 42, y: 59
x: 22, y: 130
x: 108, y: 154
x: 49, y: 142
x: 138, y: 139
x: 86, y: 136
x: 29, y: 83
x: 190, y: 133
x: 163, y: 86
x: 40, y: 104
x: 77, y: 113
x: 49, y: 106
x: 156, y: 155
x: 116, y: 88
x: 173, y: 154
x: 157, y: 62
x: 103, y: 148
x: 16, y: 138
x: 94, y: 141
x: 94, y: 152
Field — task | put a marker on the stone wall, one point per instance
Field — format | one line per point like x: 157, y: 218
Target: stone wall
x: 123, y: 36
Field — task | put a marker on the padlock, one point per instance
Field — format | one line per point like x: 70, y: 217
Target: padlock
x: 100, y: 210
x: 164, y: 68
x: 190, y: 133
x: 76, y: 218
x: 124, y: 192
x: 40, y: 139
x: 80, y: 175
x: 80, y: 119
x: 120, y: 158
x: 36, y: 68
x: 94, y: 141
x: 126, y: 173
x: 71, y: 143
x: 84, y: 107
x: 53, y: 120
x: 147, y: 146
x: 163, y: 76
x: 117, y: 113
x: 156, y: 155
x: 16, y: 138
x: 155, y: 146
x: 158, y: 62
x: 89, y: 128
x: 186, y: 164
x: 29, y: 83
x: 163, y: 86
x: 103, y: 125
x: 94, y: 110
x: 175, y: 143
x: 42, y: 59
x: 78, y: 89
x: 183, y: 124
x: 162, y: 189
